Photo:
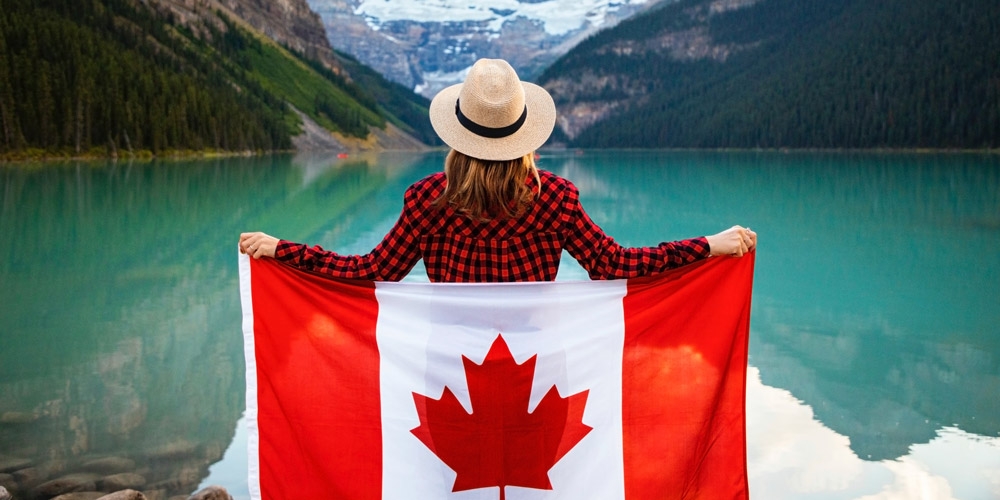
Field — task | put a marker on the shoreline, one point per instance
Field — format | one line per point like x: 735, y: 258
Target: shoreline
x: 38, y: 156
x: 987, y: 151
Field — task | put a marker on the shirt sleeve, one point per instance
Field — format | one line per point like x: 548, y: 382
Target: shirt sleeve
x: 604, y: 258
x: 390, y: 260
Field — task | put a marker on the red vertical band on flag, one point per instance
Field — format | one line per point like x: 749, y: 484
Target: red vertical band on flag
x: 683, y: 382
x: 317, y: 385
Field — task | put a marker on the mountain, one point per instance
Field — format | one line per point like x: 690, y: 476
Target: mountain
x: 787, y: 73
x: 112, y: 77
x: 427, y: 46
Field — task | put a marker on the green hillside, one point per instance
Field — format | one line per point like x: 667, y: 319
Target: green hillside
x: 829, y: 74
x: 113, y: 77
x: 406, y: 109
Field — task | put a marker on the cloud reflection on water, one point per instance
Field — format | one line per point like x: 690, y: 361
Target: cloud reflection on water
x: 791, y: 455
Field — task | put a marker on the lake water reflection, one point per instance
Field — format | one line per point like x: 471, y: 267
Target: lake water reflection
x: 875, y: 350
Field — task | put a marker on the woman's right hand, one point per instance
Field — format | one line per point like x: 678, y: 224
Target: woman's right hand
x: 258, y: 244
x: 734, y: 241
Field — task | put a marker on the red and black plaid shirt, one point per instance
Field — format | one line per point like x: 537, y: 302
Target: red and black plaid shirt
x: 456, y: 248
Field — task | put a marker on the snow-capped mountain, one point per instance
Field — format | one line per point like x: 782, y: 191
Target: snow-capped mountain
x: 430, y: 44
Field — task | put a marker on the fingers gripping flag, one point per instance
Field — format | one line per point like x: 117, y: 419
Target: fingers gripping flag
x: 628, y: 389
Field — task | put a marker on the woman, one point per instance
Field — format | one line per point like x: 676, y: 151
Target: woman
x: 491, y: 215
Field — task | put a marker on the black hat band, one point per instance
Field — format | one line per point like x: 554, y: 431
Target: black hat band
x: 490, y: 132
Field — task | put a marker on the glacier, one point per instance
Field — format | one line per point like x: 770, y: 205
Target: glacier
x: 427, y: 45
x: 558, y: 17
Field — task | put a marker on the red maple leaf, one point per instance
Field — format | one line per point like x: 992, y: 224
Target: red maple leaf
x: 500, y: 443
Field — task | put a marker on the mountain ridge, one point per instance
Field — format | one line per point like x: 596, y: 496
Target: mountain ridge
x: 291, y: 23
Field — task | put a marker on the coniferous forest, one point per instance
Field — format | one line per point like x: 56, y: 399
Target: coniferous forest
x: 823, y: 74
x: 112, y: 77
x: 78, y: 75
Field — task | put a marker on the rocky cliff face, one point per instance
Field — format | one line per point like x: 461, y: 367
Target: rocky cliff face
x: 289, y: 22
x: 690, y: 42
x: 428, y: 47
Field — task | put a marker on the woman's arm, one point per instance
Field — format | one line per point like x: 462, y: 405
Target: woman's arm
x: 391, y: 260
x: 603, y: 258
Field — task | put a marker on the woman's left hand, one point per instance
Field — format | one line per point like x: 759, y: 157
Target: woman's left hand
x: 258, y: 244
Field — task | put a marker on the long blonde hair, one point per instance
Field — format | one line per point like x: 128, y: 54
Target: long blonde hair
x: 483, y: 189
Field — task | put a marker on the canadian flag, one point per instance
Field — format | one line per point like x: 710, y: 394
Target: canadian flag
x: 560, y: 390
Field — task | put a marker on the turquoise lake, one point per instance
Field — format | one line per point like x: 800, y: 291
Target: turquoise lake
x: 875, y: 331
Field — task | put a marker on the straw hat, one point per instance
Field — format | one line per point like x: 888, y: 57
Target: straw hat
x: 493, y: 115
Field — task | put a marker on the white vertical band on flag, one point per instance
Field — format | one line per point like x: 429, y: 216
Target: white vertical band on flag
x: 576, y: 330
x: 253, y: 435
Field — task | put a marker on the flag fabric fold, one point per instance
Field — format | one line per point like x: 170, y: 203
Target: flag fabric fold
x: 630, y: 389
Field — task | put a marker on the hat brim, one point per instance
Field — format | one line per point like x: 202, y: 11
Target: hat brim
x: 536, y: 130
